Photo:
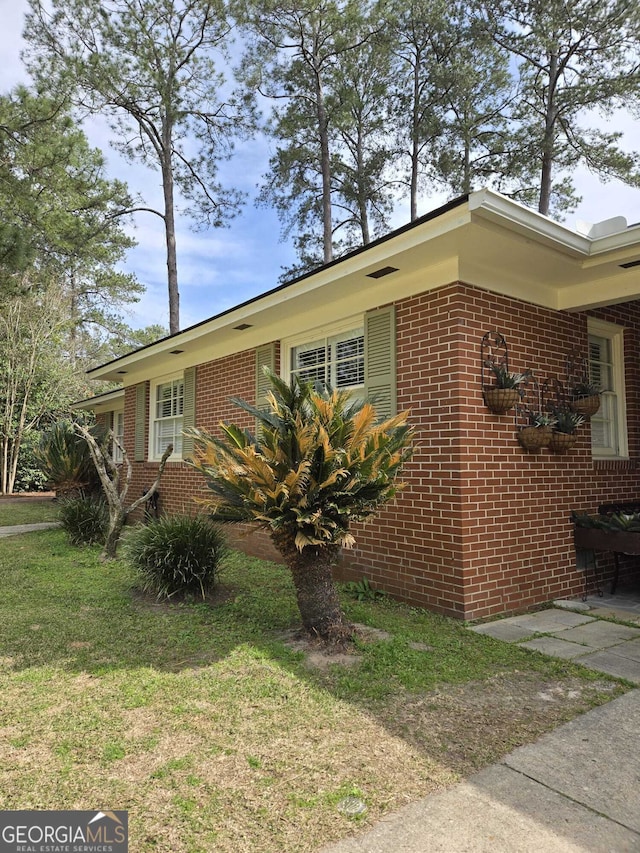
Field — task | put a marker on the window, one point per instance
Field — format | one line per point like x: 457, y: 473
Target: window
x: 167, y: 412
x: 358, y: 354
x: 118, y: 433
x: 606, y: 369
x: 337, y: 360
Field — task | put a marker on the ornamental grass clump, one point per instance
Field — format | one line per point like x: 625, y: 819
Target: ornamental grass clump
x: 176, y: 555
x: 85, y: 520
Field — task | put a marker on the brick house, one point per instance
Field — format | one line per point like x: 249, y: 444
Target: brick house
x: 482, y: 527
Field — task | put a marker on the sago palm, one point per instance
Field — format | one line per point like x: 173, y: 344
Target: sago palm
x: 319, y: 462
x: 65, y: 459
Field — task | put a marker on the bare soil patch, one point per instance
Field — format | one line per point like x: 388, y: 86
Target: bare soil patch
x: 475, y: 724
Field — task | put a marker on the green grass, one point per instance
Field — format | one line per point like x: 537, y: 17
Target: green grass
x: 23, y: 511
x: 215, y: 733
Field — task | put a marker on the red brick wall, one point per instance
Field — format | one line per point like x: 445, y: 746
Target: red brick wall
x: 482, y: 527
x: 181, y: 486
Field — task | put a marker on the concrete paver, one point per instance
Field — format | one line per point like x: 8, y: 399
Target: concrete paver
x: 556, y: 647
x: 549, y: 621
x: 599, y: 634
x: 611, y: 662
x: 593, y: 760
x: 16, y: 529
x: 629, y: 650
x: 503, y: 629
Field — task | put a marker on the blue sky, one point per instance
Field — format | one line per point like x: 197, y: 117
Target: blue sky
x: 219, y: 268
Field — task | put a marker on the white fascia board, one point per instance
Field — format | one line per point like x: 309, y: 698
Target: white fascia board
x: 614, y: 242
x: 100, y: 400
x: 359, y: 264
x: 513, y: 216
x: 516, y: 217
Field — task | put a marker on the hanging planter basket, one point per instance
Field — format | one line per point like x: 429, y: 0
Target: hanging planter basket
x: 586, y: 406
x: 500, y: 400
x: 561, y: 442
x: 533, y: 438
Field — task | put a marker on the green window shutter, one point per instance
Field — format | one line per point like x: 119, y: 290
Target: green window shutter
x: 380, y: 360
x: 265, y: 357
x: 188, y: 410
x: 139, y: 454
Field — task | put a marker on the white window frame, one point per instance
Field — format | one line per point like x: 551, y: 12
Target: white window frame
x: 118, y: 432
x: 154, y: 420
x: 614, y: 399
x: 328, y: 331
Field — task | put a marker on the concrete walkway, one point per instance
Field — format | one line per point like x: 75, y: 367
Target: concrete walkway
x: 15, y: 529
x: 578, y: 636
x: 575, y: 789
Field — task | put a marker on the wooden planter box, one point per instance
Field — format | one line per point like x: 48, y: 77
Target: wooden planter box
x: 616, y: 541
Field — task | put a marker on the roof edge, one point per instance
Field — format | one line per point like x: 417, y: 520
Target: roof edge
x: 427, y: 217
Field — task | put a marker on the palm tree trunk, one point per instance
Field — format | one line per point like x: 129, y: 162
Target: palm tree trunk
x: 316, y: 591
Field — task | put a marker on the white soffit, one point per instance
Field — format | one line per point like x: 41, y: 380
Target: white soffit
x: 488, y: 241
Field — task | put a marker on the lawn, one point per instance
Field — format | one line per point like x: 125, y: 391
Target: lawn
x: 215, y: 733
x: 26, y: 511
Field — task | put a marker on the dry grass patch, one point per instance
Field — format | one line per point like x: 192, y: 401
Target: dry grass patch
x: 240, y: 755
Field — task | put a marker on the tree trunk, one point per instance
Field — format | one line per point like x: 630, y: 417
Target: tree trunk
x: 4, y: 445
x: 170, y: 231
x: 316, y: 591
x: 415, y: 145
x: 116, y: 523
x: 466, y: 183
x: 325, y: 165
x: 362, y: 191
x: 547, y: 143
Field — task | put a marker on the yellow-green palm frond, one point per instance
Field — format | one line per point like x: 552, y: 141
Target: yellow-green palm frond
x: 319, y: 463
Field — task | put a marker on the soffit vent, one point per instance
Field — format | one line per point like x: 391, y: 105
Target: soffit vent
x: 382, y: 272
x: 242, y: 327
x: 630, y: 264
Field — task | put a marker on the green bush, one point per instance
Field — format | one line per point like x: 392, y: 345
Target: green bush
x: 85, y: 520
x: 176, y: 555
x: 29, y: 476
x: 65, y: 458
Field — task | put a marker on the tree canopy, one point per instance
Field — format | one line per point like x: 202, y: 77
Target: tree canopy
x: 150, y: 67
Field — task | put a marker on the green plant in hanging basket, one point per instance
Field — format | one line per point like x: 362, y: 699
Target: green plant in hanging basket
x: 505, y: 393
x: 585, y: 398
x: 567, y: 422
x: 564, y: 434
x: 537, y: 434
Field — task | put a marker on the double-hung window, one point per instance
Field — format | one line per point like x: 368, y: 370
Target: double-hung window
x: 606, y: 369
x: 335, y: 359
x: 167, y: 411
x: 118, y: 436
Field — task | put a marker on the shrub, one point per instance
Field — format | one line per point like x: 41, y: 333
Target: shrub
x: 84, y: 519
x: 29, y: 476
x: 176, y: 555
x: 65, y: 458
